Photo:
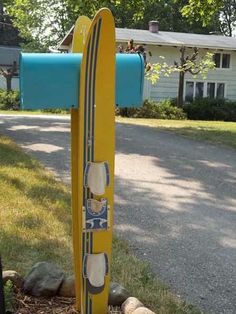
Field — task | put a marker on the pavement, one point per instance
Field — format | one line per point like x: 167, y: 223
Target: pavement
x: 175, y: 202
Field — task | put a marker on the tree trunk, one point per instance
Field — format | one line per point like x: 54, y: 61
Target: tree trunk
x: 180, y: 99
x: 8, y: 84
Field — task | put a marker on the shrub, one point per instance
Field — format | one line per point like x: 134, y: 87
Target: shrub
x: 9, y: 100
x: 56, y: 111
x: 211, y: 109
x: 165, y: 109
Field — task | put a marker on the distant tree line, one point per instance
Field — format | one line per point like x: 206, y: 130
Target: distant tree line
x: 43, y: 23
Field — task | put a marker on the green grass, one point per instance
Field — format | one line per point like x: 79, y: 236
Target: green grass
x: 213, y: 131
x: 34, y: 212
x: 137, y: 277
x: 35, y: 218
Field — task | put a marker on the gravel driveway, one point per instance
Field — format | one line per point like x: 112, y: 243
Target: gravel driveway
x: 175, y: 202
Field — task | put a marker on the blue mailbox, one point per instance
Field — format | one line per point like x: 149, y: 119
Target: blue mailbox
x: 50, y: 81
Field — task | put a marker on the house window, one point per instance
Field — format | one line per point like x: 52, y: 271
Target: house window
x: 222, y: 60
x: 189, y: 92
x: 220, y: 91
x: 225, y: 61
x: 204, y: 89
x: 217, y: 60
x: 199, y: 91
x: 216, y: 90
x: 211, y: 90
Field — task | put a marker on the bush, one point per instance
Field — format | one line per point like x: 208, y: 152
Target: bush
x: 165, y: 109
x: 211, y: 109
x: 9, y: 100
x: 56, y: 111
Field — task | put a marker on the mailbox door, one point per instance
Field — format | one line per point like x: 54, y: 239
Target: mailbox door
x: 49, y: 80
x: 129, y: 80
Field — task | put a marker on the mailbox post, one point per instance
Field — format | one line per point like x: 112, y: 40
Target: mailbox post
x: 90, y: 81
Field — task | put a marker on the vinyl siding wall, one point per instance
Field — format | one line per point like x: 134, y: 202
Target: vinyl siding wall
x: 167, y: 87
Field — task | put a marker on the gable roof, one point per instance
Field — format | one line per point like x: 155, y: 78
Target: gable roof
x: 176, y: 39
x: 166, y: 39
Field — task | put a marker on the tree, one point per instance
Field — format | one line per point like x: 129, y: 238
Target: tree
x: 168, y: 13
x: 9, y: 35
x: 137, y: 14
x: 191, y: 63
x: 206, y: 11
x: 194, y: 65
x: 126, y: 13
x: 41, y: 22
x: 45, y: 22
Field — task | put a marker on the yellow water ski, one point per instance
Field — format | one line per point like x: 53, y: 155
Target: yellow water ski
x: 81, y: 29
x: 79, y: 38
x: 96, y: 164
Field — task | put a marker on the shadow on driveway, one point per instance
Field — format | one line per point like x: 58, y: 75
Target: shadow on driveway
x: 176, y: 203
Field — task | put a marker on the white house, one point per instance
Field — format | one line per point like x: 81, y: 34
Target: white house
x: 220, y: 82
x: 8, y: 55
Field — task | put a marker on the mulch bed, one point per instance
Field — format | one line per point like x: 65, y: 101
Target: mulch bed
x: 57, y: 305
x: 26, y: 304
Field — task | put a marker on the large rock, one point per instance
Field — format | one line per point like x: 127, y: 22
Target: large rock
x: 67, y: 288
x: 117, y: 294
x: 130, y: 305
x: 44, y: 279
x: 14, y: 277
x: 142, y: 310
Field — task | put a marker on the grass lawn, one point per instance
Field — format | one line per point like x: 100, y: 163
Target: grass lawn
x: 35, y: 225
x: 213, y: 131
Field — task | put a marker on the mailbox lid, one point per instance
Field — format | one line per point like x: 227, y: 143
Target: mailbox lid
x: 129, y: 80
x: 49, y: 80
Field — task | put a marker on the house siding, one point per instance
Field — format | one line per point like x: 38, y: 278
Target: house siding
x: 167, y: 87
